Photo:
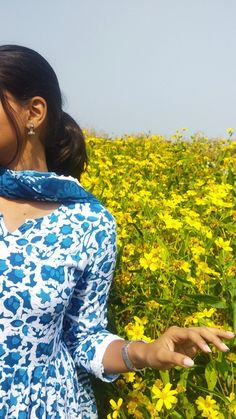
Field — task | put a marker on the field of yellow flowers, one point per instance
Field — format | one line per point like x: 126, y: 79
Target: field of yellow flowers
x: 175, y: 206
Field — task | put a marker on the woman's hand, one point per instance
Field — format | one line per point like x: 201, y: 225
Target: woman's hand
x: 177, y: 346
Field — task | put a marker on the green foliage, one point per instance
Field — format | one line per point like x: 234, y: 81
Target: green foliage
x: 175, y: 206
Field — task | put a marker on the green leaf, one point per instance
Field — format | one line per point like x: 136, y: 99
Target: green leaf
x: 165, y: 377
x: 184, y: 377
x: 137, y: 228
x: 223, y: 366
x: 211, y: 375
x: 190, y: 412
x: 175, y: 415
x: 210, y: 300
x: 165, y: 302
x: 184, y: 281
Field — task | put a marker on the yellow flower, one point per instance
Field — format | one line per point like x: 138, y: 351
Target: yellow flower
x: 171, y: 222
x: 231, y: 357
x: 185, y: 266
x: 206, y: 313
x: 180, y: 388
x: 115, y: 407
x: 231, y: 397
x: 155, y: 259
x: 193, y: 222
x: 173, y: 201
x: 207, y: 232
x: 191, y: 192
x: 149, y: 261
x: 152, y: 411
x: 197, y: 316
x: 213, y: 414
x: 217, y: 194
x: 136, y: 330
x: 129, y: 377
x: 232, y: 408
x: 152, y: 305
x: 197, y: 250
x: 191, y: 279
x: 208, y: 406
x: 202, y: 267
x: 223, y: 244
x: 201, y: 201
x: 230, y: 131
x: 158, y: 383
x: 166, y: 396
x: 132, y: 406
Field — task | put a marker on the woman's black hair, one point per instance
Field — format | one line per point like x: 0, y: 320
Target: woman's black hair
x: 24, y: 73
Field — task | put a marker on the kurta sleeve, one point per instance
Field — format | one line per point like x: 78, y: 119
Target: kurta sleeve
x: 85, y: 319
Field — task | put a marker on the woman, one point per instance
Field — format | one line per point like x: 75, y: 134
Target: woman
x: 57, y: 257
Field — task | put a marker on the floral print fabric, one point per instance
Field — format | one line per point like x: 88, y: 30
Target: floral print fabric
x: 55, y: 276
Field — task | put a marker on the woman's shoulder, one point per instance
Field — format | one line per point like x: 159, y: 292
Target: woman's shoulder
x: 93, y: 212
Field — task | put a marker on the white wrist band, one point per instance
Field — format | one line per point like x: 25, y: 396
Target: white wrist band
x: 125, y: 356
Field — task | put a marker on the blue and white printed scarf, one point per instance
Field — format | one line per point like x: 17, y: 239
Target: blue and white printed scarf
x: 42, y: 186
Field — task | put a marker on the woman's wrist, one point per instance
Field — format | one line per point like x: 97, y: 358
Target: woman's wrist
x: 136, y: 352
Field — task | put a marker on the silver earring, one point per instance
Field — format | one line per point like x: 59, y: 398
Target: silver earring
x: 31, y: 130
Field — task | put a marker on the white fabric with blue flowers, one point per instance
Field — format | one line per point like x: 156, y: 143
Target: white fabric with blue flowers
x: 55, y: 275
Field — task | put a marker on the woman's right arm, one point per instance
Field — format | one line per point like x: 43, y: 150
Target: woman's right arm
x: 175, y: 347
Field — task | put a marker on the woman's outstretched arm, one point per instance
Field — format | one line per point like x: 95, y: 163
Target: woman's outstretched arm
x: 175, y: 347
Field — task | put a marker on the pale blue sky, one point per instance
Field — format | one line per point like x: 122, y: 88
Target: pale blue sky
x: 128, y: 66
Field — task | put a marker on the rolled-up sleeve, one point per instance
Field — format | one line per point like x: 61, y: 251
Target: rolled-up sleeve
x: 85, y: 321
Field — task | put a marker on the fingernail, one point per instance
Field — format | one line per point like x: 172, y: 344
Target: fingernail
x: 225, y: 347
x: 188, y: 362
x: 231, y: 334
x: 206, y: 348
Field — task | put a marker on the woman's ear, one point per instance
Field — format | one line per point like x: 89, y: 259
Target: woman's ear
x: 36, y: 112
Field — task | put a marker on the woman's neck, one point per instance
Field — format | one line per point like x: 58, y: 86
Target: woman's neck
x: 39, y: 166
x: 32, y: 158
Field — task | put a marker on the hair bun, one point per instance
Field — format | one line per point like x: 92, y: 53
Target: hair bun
x: 67, y: 153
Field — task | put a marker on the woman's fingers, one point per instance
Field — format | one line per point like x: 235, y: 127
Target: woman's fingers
x: 214, y: 336
x: 168, y: 359
x: 199, y: 336
x: 223, y: 334
x: 178, y: 345
x: 194, y: 337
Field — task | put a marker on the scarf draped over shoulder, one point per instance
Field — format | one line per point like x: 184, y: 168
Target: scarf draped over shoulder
x: 42, y: 186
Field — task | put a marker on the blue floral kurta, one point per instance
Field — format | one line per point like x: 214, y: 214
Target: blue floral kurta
x: 55, y: 275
